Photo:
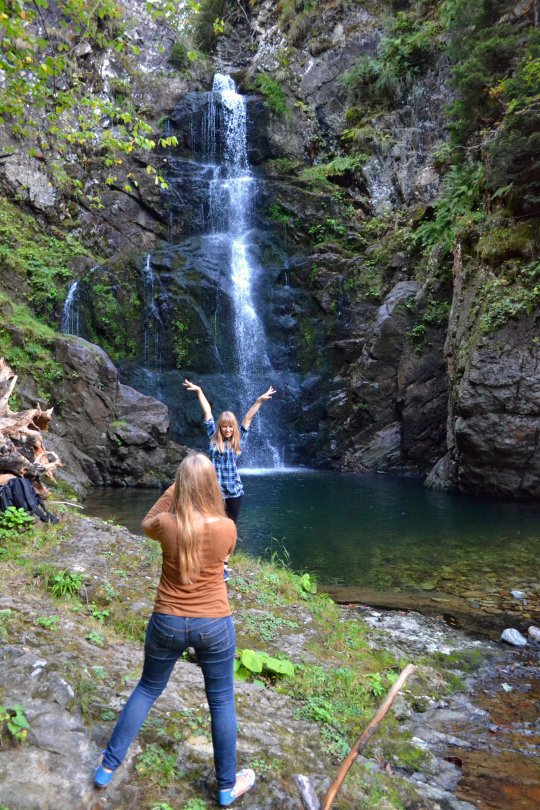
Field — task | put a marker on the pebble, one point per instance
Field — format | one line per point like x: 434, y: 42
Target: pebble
x: 514, y: 637
x: 534, y: 632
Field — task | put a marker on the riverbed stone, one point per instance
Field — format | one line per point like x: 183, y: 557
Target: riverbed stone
x: 514, y: 637
x: 534, y: 633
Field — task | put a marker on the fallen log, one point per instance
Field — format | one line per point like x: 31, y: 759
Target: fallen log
x: 308, y: 796
x: 22, y: 451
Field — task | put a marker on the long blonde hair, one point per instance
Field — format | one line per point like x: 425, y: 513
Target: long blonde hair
x: 196, y: 497
x: 227, y: 419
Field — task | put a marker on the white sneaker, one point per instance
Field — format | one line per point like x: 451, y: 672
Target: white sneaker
x: 245, y: 780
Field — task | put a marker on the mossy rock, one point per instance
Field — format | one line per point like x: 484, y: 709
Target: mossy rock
x: 514, y: 241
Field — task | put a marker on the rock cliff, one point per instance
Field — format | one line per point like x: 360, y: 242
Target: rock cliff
x: 349, y: 138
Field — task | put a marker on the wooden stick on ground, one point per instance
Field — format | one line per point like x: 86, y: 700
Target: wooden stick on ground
x: 307, y: 794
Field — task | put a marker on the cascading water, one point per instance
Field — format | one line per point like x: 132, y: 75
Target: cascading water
x: 70, y: 322
x: 152, y: 323
x: 232, y: 192
x: 211, y: 291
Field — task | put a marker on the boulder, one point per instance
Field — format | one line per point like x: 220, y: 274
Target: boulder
x: 104, y: 431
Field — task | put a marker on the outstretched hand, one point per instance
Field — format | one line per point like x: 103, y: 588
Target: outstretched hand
x: 268, y: 394
x: 191, y: 386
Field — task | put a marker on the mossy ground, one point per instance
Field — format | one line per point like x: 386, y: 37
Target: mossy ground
x: 95, y: 635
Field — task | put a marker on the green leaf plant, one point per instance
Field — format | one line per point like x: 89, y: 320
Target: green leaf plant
x: 251, y: 662
x: 14, y: 720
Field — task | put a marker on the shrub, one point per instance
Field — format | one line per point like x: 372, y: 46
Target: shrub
x: 273, y: 93
x: 179, y: 55
x: 458, y: 207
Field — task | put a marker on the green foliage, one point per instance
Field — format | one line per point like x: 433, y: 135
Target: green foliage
x: 112, y: 305
x: 180, y: 55
x: 100, y: 615
x: 15, y: 722
x: 50, y: 100
x: 322, y: 175
x: 277, y: 213
x: 156, y: 765
x: 434, y: 313
x: 296, y: 17
x: 496, y: 71
x: 273, y: 93
x: 13, y: 521
x: 517, y: 240
x: 95, y: 638
x: 307, y: 583
x: 411, y: 44
x: 512, y: 295
x: 407, y: 49
x: 458, y: 208
x: 330, y: 230
x: 194, y: 804
x: 183, y: 343
x: 267, y: 627
x: 40, y: 259
x: 5, y: 616
x: 48, y: 622
x: 64, y: 584
x: 369, y: 84
x: 209, y: 23
x: 250, y: 662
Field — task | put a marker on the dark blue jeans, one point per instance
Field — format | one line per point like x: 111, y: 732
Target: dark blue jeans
x: 166, y: 639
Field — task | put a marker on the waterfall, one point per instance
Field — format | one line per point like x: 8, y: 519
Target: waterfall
x: 208, y: 277
x: 70, y: 321
x: 232, y: 193
x: 152, y: 323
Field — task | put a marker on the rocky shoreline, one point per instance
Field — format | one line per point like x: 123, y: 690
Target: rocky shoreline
x: 71, y: 668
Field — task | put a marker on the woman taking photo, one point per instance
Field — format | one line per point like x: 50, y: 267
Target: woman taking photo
x: 191, y: 610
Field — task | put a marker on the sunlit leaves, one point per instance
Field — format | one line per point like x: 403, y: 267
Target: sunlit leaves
x: 45, y: 97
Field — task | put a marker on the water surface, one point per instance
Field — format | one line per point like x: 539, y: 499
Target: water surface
x: 373, y: 531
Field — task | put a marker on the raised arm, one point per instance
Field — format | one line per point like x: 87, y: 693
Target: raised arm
x: 205, y: 405
x: 246, y: 422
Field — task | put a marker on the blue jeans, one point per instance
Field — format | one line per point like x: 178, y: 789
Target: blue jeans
x: 166, y: 639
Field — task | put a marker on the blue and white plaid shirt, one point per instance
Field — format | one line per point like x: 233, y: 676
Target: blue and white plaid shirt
x: 225, y: 463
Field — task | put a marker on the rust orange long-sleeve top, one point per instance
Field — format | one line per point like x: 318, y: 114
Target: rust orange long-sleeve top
x: 207, y: 595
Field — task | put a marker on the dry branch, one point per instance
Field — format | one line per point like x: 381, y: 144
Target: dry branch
x: 308, y: 796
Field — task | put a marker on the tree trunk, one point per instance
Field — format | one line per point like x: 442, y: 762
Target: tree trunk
x: 22, y: 451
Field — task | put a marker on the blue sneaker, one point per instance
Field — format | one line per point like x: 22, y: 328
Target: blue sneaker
x: 101, y: 776
x: 245, y: 780
x: 226, y: 573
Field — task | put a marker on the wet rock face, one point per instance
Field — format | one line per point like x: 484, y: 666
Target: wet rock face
x: 104, y: 431
x: 397, y: 397
x: 494, y: 425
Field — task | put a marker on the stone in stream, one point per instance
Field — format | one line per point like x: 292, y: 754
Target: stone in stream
x: 514, y: 637
x: 534, y: 632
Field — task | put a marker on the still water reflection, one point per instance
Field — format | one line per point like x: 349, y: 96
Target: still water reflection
x: 372, y: 530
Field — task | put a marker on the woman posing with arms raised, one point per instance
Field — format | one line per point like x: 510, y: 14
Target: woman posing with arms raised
x: 191, y: 610
x: 226, y: 443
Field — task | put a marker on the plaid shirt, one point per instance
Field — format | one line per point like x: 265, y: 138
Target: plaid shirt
x: 225, y: 463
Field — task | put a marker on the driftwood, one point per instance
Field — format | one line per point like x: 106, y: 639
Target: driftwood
x: 308, y: 797
x: 22, y: 451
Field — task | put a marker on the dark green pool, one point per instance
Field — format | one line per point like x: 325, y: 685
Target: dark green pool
x: 374, y: 531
